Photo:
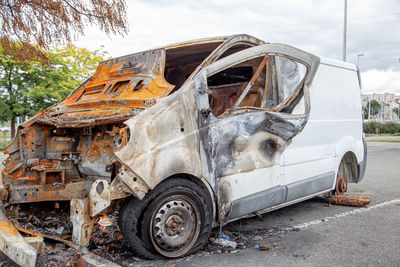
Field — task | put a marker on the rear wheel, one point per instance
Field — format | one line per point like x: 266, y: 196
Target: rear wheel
x: 347, y: 173
x: 176, y: 221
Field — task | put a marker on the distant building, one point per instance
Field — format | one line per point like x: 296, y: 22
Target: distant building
x: 389, y: 102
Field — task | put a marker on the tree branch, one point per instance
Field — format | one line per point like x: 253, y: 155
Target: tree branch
x: 82, y: 13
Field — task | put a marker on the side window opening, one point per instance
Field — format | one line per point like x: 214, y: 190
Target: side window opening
x: 290, y: 75
x: 182, y: 61
x: 228, y: 85
x: 261, y: 83
x: 231, y: 76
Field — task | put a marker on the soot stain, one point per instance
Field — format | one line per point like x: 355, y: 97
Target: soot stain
x: 269, y: 148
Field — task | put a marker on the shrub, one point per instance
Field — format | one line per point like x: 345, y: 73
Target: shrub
x: 392, y: 127
x: 374, y: 127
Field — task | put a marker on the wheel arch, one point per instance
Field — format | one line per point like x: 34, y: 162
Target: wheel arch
x: 347, y: 144
x: 352, y: 149
x: 348, y: 167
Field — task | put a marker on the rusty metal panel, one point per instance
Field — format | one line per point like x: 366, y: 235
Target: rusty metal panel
x: 36, y: 193
x: 354, y: 201
x: 99, y: 197
x: 81, y: 221
x: 119, y: 89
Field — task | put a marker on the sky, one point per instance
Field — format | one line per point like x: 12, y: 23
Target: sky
x: 315, y: 26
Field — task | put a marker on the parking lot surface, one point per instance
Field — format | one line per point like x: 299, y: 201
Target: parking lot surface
x: 313, y: 233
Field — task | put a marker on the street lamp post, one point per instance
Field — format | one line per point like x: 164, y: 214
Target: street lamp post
x: 369, y: 110
x: 344, y: 30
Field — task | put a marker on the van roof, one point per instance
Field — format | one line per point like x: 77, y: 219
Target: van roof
x: 338, y: 63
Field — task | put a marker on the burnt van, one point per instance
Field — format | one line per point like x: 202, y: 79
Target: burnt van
x: 186, y: 137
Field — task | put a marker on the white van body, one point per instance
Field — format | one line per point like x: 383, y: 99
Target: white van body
x: 309, y: 165
x: 334, y: 127
x: 187, y: 137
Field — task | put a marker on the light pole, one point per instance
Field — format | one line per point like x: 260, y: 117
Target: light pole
x: 369, y: 110
x: 358, y: 59
x: 344, y: 30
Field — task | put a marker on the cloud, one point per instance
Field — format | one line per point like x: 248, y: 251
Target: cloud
x: 315, y: 26
x: 381, y: 80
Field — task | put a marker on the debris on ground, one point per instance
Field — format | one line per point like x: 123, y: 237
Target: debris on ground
x: 224, y: 241
x: 273, y: 244
x: 107, y: 242
x: 53, y: 224
x: 353, y: 201
x: 77, y: 261
x: 262, y: 239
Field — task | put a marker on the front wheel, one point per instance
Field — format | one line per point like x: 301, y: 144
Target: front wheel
x: 177, y: 220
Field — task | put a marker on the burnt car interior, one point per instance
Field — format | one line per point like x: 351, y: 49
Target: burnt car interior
x: 181, y: 62
x: 274, y: 79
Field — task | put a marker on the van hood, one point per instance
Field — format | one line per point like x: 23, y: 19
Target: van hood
x: 119, y: 89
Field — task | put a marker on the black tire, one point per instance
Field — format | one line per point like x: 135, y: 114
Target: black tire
x: 130, y: 224
x: 186, y: 218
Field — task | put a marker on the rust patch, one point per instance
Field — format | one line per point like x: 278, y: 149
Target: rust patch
x: 354, y: 201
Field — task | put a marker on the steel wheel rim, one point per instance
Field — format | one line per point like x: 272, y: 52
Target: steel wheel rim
x: 175, y: 226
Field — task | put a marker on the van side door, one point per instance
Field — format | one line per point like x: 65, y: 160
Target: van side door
x: 310, y: 158
x: 245, y: 123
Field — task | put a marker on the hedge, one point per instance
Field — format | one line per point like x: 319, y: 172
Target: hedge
x: 374, y: 127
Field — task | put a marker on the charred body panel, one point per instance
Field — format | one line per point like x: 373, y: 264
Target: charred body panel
x: 248, y: 138
x: 246, y: 141
x: 165, y: 145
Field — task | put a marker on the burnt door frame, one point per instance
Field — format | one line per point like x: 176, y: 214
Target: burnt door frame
x: 269, y: 130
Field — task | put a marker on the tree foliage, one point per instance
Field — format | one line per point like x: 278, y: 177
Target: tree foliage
x: 375, y: 108
x: 28, y: 26
x: 69, y: 67
x: 14, y: 84
x: 27, y: 88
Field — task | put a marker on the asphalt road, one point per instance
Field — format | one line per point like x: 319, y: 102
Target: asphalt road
x: 330, y: 236
x: 314, y: 234
x: 322, y: 235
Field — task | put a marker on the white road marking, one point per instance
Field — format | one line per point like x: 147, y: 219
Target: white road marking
x: 344, y: 214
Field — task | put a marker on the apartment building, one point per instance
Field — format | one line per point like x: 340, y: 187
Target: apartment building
x: 389, y: 103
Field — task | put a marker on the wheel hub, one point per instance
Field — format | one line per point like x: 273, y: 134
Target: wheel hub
x: 341, y: 185
x: 175, y: 224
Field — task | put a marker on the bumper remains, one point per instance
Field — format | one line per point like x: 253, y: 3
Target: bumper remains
x: 14, y: 245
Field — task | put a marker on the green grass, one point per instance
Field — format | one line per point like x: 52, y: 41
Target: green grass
x: 3, y: 144
x: 384, y: 140
x: 5, y: 134
x: 394, y: 134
